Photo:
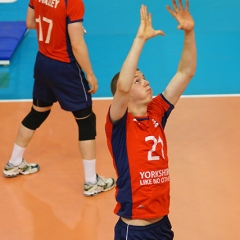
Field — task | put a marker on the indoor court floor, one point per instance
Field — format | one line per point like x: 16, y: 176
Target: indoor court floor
x: 203, y: 141
x: 203, y: 130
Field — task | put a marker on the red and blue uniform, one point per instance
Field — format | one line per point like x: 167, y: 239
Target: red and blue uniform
x: 58, y: 76
x: 52, y: 18
x: 139, y: 150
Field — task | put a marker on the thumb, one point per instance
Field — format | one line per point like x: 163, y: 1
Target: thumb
x: 159, y: 32
x: 180, y: 27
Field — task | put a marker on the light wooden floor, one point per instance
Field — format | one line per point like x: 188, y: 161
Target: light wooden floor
x: 204, y: 150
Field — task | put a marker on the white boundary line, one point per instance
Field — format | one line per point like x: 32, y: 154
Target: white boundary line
x: 7, y: 1
x: 110, y: 98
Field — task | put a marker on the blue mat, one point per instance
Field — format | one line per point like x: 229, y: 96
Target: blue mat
x: 11, y: 34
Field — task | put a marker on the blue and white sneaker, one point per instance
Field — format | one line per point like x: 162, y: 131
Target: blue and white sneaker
x: 11, y: 170
x: 102, y: 185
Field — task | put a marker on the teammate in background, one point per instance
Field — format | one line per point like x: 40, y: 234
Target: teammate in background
x: 62, y: 73
x: 135, y: 135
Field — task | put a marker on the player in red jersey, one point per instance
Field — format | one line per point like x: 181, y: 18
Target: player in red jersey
x: 62, y: 73
x: 135, y: 134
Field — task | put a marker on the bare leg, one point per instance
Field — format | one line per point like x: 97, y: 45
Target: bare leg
x: 88, y: 149
x: 24, y: 134
x: 23, y: 137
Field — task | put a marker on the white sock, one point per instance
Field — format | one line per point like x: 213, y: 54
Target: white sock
x: 89, y: 167
x: 17, y: 155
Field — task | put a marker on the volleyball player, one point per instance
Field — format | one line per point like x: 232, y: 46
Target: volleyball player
x: 135, y: 134
x: 63, y: 73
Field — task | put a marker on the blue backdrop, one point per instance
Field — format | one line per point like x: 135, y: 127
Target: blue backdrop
x: 111, y: 26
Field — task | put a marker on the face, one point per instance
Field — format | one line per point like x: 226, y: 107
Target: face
x: 141, y: 90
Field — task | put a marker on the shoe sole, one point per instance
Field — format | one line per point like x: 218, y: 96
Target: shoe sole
x: 96, y: 193
x: 11, y: 175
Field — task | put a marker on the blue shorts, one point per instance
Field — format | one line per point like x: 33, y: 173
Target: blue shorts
x: 160, y: 230
x: 62, y: 82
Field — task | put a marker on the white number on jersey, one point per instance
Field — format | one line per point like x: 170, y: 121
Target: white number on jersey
x: 155, y: 142
x: 50, y: 25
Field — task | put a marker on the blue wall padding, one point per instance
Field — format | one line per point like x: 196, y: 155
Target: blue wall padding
x: 11, y: 34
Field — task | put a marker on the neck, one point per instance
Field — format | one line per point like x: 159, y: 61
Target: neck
x: 137, y: 110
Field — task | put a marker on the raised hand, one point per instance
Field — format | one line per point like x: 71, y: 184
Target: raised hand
x: 182, y: 15
x: 145, y: 30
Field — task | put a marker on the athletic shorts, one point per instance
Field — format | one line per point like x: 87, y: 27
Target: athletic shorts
x: 160, y: 230
x: 62, y: 82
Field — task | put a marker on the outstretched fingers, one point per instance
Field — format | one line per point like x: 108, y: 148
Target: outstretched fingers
x: 141, y: 12
x: 173, y: 13
x: 182, y: 15
x: 180, y: 4
x: 175, y: 6
x: 176, y: 9
x: 146, y: 30
x: 187, y: 5
x: 144, y: 13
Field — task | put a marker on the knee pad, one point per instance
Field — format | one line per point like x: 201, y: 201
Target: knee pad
x: 82, y: 112
x: 87, y: 128
x: 34, y: 119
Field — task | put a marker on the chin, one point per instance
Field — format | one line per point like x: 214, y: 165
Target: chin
x: 149, y: 99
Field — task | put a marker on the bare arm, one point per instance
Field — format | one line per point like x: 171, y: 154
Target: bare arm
x: 187, y: 65
x: 80, y: 51
x: 30, y: 19
x: 129, y: 67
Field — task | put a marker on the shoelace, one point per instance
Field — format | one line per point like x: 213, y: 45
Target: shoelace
x: 101, y: 182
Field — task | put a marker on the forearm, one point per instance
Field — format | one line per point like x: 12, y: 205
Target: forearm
x: 81, y: 54
x: 186, y: 69
x: 187, y: 64
x: 130, y: 64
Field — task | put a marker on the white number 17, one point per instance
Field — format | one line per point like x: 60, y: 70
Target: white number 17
x: 50, y: 25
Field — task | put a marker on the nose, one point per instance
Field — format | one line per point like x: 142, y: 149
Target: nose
x: 146, y: 83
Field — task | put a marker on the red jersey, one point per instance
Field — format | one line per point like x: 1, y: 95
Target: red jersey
x: 139, y: 150
x: 52, y: 18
